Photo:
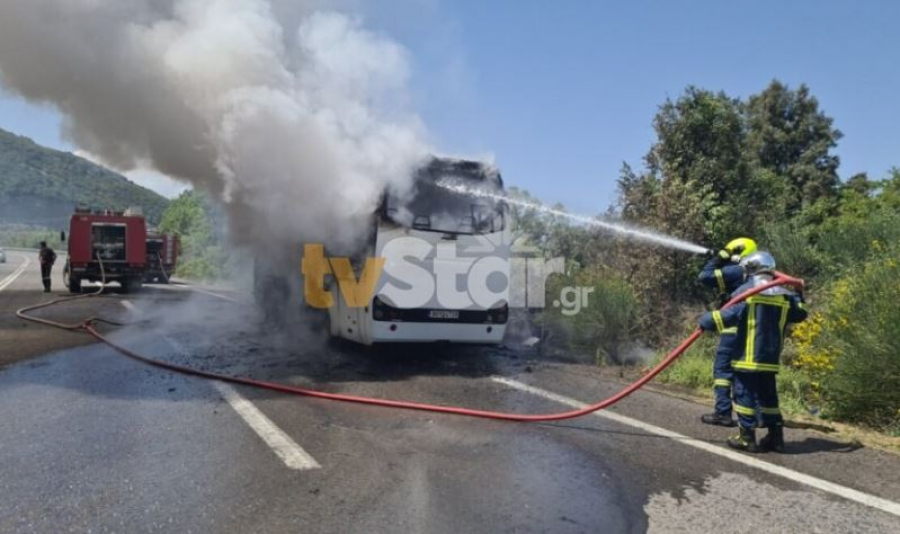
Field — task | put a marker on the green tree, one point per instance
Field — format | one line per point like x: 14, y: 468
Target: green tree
x: 191, y: 217
x: 698, y: 154
x: 789, y: 136
x: 697, y: 186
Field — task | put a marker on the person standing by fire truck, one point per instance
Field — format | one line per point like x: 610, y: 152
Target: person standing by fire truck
x: 47, y: 258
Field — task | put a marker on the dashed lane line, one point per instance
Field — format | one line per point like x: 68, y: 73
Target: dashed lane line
x: 187, y: 287
x: 284, y: 447
x: 130, y: 307
x: 212, y: 294
x: 292, y: 454
x: 744, y: 459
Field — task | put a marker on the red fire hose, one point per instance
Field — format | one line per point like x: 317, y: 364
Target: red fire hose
x: 88, y: 325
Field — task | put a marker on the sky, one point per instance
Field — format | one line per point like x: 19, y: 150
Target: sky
x: 560, y: 94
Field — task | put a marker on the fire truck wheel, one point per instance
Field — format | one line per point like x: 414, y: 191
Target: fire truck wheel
x: 74, y: 285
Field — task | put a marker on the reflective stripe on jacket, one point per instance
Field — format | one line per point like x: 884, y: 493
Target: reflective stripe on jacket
x: 725, y: 277
x: 760, y: 321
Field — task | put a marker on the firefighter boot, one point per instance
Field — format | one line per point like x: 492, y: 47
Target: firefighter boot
x: 773, y: 440
x: 717, y: 419
x: 744, y: 440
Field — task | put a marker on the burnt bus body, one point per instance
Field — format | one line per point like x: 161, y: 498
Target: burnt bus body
x: 434, y: 229
x: 428, y: 213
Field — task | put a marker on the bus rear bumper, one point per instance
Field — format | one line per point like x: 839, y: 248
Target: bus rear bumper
x: 408, y: 332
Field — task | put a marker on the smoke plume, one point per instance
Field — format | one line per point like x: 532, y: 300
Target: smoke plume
x: 293, y: 116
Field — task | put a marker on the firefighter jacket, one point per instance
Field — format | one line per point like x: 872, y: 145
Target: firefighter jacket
x: 761, y: 321
x: 47, y: 256
x: 725, y: 276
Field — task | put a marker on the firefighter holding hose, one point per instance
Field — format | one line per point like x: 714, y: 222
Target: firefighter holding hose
x: 724, y: 272
x: 759, y: 325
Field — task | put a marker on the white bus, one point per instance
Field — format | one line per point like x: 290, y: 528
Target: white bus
x: 460, y: 242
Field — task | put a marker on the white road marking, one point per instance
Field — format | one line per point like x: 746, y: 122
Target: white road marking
x: 131, y: 307
x: 796, y: 476
x: 212, y: 294
x: 292, y: 454
x: 287, y: 449
x: 15, y: 274
x: 186, y: 287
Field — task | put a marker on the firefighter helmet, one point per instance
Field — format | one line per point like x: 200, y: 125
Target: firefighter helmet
x: 758, y: 262
x: 741, y: 247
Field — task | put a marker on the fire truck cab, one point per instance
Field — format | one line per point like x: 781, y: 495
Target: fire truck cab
x: 106, y: 245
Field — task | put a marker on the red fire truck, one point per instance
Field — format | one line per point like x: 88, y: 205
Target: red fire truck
x: 162, y: 257
x: 117, y: 239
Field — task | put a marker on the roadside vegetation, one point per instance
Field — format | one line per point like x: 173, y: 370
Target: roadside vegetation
x: 763, y: 167
x: 199, y: 224
x: 21, y: 236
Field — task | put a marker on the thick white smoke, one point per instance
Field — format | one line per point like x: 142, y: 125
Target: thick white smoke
x: 297, y: 126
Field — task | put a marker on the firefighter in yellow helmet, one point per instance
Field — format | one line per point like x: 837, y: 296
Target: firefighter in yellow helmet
x: 724, y: 273
x: 759, y: 323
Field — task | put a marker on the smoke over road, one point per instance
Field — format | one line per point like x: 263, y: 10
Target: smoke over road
x: 294, y: 117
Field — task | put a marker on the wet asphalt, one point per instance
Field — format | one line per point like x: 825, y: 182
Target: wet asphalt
x: 91, y: 441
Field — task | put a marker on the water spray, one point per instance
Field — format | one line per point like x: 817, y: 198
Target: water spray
x: 630, y: 232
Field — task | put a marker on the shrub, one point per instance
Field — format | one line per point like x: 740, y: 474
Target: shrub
x: 810, y: 355
x: 847, y: 241
x: 694, y: 369
x: 22, y: 236
x: 863, y: 332
x: 789, y: 243
x: 604, y: 327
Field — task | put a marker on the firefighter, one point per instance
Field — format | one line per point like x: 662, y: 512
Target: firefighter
x: 47, y: 258
x: 761, y: 321
x: 724, y: 272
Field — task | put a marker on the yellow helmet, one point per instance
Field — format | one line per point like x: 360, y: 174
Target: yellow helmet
x: 741, y: 247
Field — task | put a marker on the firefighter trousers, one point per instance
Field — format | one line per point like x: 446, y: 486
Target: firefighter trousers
x: 45, y: 274
x: 755, y: 398
x: 723, y: 375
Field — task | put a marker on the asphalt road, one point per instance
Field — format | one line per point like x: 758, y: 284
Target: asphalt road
x: 21, y: 285
x: 93, y: 442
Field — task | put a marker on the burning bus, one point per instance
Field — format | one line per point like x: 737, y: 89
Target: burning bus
x: 444, y: 265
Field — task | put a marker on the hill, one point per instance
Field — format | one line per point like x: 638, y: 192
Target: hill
x: 40, y: 186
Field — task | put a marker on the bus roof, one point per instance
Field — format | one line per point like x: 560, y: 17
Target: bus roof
x: 438, y: 167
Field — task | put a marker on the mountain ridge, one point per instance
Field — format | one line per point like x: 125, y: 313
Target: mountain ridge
x: 40, y: 186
